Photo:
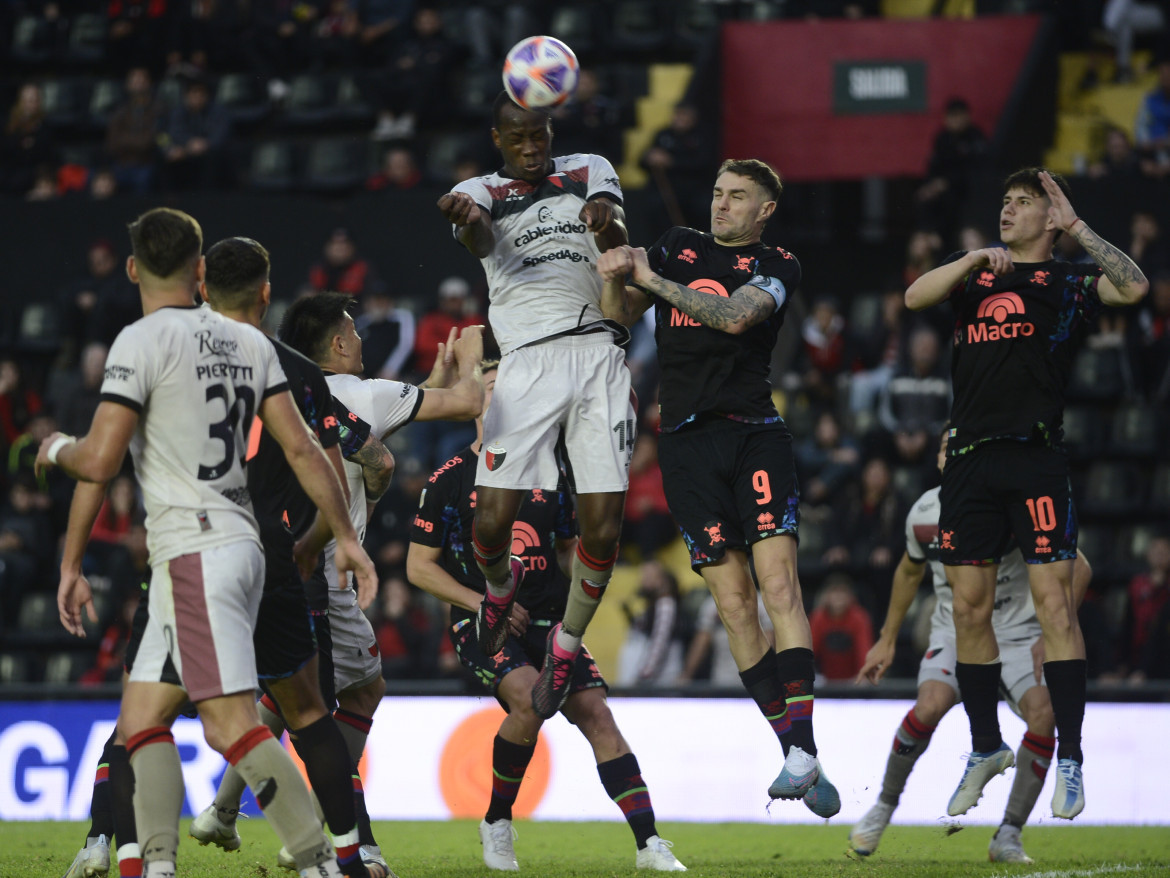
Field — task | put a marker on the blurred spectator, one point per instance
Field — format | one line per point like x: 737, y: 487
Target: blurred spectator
x: 971, y: 237
x: 823, y: 350
x: 1148, y: 247
x: 26, y: 545
x: 1120, y: 160
x: 111, y: 654
x: 917, y: 401
x: 868, y: 533
x: 1149, y: 593
x: 408, y: 632
x: 877, y: 353
x: 44, y: 187
x: 922, y: 255
x: 680, y: 161
x: 399, y: 171
x: 825, y: 461
x: 381, y: 25
x: 415, y: 89
x: 842, y: 631
x: 335, y: 36
x: 132, y: 134
x: 1150, y: 340
x: 28, y: 148
x: 280, y: 40
x: 102, y: 184
x: 387, y: 334
x: 467, y: 165
x: 80, y: 399
x: 140, y: 32
x: 960, y: 148
x: 591, y: 122
x: 648, y: 524
x: 494, y: 27
x: 209, y: 35
x: 1123, y: 19
x: 117, y: 542
x: 97, y: 305
x: 342, y: 270
x: 196, y: 141
x: 388, y: 535
x: 456, y: 310
x: 652, y: 654
x: 19, y: 403
x: 1152, y: 129
x: 709, y: 654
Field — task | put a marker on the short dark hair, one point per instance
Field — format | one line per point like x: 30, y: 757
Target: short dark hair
x: 503, y: 99
x: 1028, y: 179
x: 237, y: 269
x: 310, y: 323
x: 165, y: 241
x: 758, y: 172
x: 958, y: 105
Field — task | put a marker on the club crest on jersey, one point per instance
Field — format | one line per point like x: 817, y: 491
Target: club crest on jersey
x: 494, y: 455
x: 545, y: 214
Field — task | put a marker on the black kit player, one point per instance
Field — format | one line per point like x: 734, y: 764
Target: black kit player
x: 725, y: 452
x: 1019, y: 318
x: 441, y: 560
x: 537, y: 225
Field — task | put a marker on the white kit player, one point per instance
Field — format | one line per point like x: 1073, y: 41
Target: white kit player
x: 181, y: 388
x: 1018, y: 633
x: 538, y: 226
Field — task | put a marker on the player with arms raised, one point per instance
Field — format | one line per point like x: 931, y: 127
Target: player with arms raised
x: 538, y: 226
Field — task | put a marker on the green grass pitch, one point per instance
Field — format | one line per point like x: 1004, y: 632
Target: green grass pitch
x: 600, y: 850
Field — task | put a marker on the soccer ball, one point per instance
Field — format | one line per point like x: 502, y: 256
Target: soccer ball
x: 540, y: 72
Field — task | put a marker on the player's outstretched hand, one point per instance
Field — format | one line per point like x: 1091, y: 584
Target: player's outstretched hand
x: 459, y: 208
x: 1060, y: 209
x: 43, y: 463
x: 641, y: 270
x: 351, y: 556
x: 443, y: 372
x: 469, y: 346
x: 597, y: 215
x: 518, y: 621
x: 73, y: 593
x: 877, y: 662
x: 996, y: 258
x: 615, y: 263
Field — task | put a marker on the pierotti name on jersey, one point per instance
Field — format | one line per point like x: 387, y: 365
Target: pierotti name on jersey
x: 561, y: 228
x: 224, y: 370
x: 570, y: 255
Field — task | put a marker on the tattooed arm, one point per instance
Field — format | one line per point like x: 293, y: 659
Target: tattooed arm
x: 377, y: 468
x: 736, y: 314
x: 1123, y: 283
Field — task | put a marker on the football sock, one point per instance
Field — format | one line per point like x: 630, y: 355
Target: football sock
x: 355, y: 728
x: 590, y: 578
x: 1066, y: 686
x: 495, y: 562
x: 281, y: 794
x: 979, y: 687
x: 1032, y: 761
x: 910, y: 742
x: 323, y: 751
x: 763, y: 685
x: 796, y: 669
x: 231, y: 785
x: 623, y: 783
x: 509, y: 762
x: 122, y: 800
x: 101, y: 810
x: 157, y: 804
x: 129, y: 860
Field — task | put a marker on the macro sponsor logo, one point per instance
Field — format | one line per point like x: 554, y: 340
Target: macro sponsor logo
x: 569, y: 255
x: 526, y: 545
x: 561, y: 228
x: 998, y: 307
x: 703, y: 285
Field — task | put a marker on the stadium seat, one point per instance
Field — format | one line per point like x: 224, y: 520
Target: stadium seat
x: 66, y: 105
x: 443, y: 153
x: 351, y: 105
x: 637, y: 27
x: 38, y: 612
x: 273, y: 166
x: 1132, y: 543
x: 1136, y: 432
x: 1099, y: 374
x: 575, y: 25
x: 1097, y: 542
x: 476, y: 92
x: 169, y: 92
x: 14, y: 667
x: 38, y: 328
x: 87, y: 39
x: 65, y: 667
x: 334, y: 165
x: 696, y: 24
x: 106, y: 96
x: 1083, y: 431
x: 245, y: 98
x: 814, y: 540
x: 32, y: 41
x: 865, y: 312
x: 1159, y: 500
x: 310, y: 102
x: 1112, y: 490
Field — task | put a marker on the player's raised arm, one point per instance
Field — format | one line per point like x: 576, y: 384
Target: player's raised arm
x: 607, y: 220
x: 474, y: 223
x: 463, y: 401
x: 619, y: 302
x: 907, y: 577
x: 936, y: 285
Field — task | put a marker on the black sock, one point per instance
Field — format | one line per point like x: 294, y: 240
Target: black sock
x: 122, y: 797
x: 622, y: 779
x: 327, y: 763
x: 796, y: 670
x: 979, y: 687
x: 365, y: 830
x: 101, y: 811
x: 1066, y: 686
x: 509, y: 762
x: 763, y: 685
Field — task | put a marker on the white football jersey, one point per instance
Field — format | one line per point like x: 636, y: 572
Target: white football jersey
x: 196, y: 380
x: 385, y: 406
x: 1013, y: 597
x: 542, y: 270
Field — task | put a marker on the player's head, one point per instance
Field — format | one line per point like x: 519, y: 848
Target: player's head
x: 236, y: 276
x: 745, y: 195
x: 165, y: 245
x: 524, y: 139
x: 321, y: 328
x: 1024, y: 214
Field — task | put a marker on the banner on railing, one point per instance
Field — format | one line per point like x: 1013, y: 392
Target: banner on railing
x: 703, y: 760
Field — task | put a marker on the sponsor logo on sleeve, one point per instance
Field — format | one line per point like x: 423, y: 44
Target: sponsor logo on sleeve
x: 119, y: 373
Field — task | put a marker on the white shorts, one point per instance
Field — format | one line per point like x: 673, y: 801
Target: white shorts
x: 203, y: 610
x: 1015, y: 655
x: 356, y: 660
x: 577, y: 386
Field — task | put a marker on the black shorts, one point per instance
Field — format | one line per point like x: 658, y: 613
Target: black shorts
x: 1002, y: 490
x: 729, y: 484
x: 137, y: 629
x: 283, y: 638
x: 518, y: 652
x: 325, y: 657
